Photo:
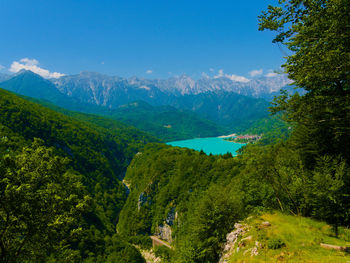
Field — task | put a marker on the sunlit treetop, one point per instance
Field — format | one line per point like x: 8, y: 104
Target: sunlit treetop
x: 318, y: 34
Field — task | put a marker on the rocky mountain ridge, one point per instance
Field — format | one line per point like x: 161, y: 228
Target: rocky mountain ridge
x: 97, y: 86
x: 222, y: 100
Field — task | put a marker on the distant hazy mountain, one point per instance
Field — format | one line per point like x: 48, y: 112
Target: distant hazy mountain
x: 218, y: 100
x: 30, y: 84
x: 105, y: 90
x: 165, y: 122
x: 184, y: 85
x: 108, y: 90
x: 4, y: 77
x: 222, y: 100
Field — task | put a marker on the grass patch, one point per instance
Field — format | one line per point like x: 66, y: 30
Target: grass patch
x: 291, y: 239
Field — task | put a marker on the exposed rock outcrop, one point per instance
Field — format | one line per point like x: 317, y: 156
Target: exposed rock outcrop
x: 164, y: 232
x: 143, y: 198
x: 238, y: 241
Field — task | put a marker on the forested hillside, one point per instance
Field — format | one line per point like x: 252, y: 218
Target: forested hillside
x: 98, y: 154
x: 193, y: 200
x: 163, y: 122
x: 279, y: 200
x: 166, y: 122
x: 166, y: 116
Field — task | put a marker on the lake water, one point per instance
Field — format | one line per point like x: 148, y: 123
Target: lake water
x: 213, y: 145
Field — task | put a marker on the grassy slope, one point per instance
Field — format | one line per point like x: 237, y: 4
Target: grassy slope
x: 302, y: 237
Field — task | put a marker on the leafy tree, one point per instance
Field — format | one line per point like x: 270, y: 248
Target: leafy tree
x: 330, y: 191
x: 318, y: 34
x: 119, y: 251
x: 212, y: 216
x: 41, y: 205
x: 98, y: 148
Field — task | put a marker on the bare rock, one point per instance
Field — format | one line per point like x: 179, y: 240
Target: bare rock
x: 265, y: 224
x: 339, y: 248
x: 164, y: 232
x: 254, y: 252
x: 247, y: 239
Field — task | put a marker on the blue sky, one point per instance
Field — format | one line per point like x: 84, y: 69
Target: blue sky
x: 146, y: 38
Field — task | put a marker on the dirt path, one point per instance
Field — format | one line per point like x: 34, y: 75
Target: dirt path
x: 160, y: 242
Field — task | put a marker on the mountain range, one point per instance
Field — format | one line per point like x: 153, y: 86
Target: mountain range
x: 222, y: 100
x: 102, y: 89
x: 4, y: 77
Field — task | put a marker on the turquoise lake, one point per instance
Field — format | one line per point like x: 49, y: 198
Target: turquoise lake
x: 213, y: 145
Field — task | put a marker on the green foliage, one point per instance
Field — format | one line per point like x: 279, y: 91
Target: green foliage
x: 120, y: 252
x: 206, y: 224
x: 210, y: 193
x: 171, y: 185
x: 41, y: 204
x: 164, y: 253
x: 114, y: 249
x: 275, y: 243
x: 133, y: 136
x: 298, y: 239
x: 320, y: 192
x: 145, y: 242
x: 236, y: 115
x: 165, y: 122
x: 162, y: 178
x: 330, y: 196
x: 99, y: 154
x: 198, y: 197
x: 320, y: 43
x: 318, y: 34
x: 272, y: 128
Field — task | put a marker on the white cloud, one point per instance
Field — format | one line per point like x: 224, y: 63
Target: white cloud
x: 271, y: 74
x: 256, y: 72
x: 29, y: 62
x: 149, y: 71
x: 231, y: 77
x: 1, y: 67
x: 211, y: 70
x: 33, y: 65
